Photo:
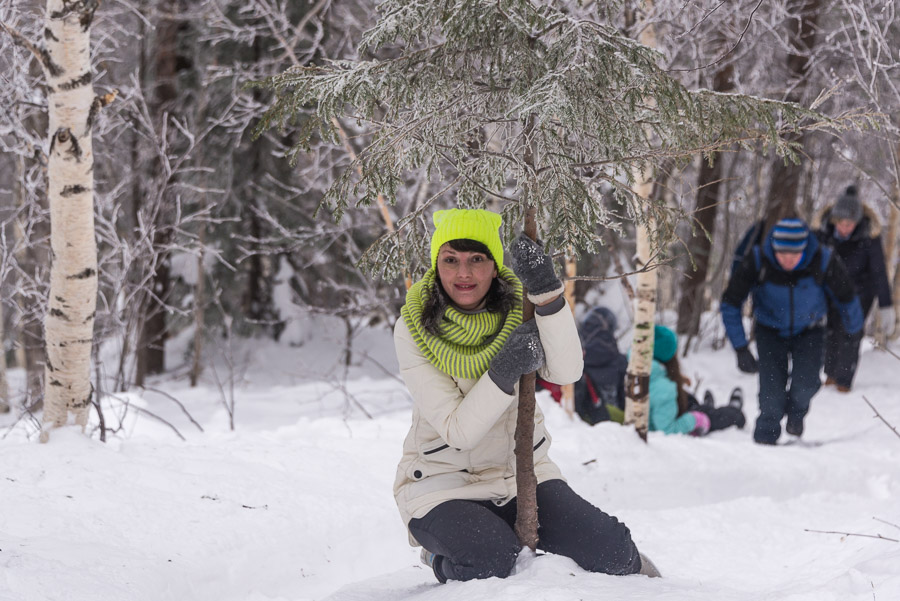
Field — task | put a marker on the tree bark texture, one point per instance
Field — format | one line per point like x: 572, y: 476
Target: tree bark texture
x: 693, y: 285
x: 568, y: 390
x: 69, y: 323
x: 637, y: 378
x: 151, y: 350
x: 892, y: 251
x: 4, y: 386
x: 526, y: 525
x: 784, y: 182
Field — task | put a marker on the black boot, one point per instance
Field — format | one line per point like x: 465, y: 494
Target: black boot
x: 736, y: 399
x: 708, y: 400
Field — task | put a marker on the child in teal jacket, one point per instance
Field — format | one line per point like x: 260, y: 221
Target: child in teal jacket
x: 673, y: 409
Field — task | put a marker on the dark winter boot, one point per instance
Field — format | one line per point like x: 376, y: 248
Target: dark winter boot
x: 433, y: 561
x: 794, y: 428
x: 708, y: 401
x: 736, y: 399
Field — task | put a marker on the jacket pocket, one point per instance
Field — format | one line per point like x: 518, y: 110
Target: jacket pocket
x: 438, y: 457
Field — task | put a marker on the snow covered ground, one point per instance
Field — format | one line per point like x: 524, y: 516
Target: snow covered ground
x: 295, y: 504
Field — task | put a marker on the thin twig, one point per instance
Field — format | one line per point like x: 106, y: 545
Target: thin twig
x: 886, y: 522
x: 158, y: 418
x: 878, y: 536
x: 730, y: 50
x: 879, y: 416
x: 177, y: 402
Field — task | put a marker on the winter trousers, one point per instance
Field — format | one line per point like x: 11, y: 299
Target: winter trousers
x: 842, y: 349
x: 475, y: 539
x: 788, y: 379
x: 719, y: 417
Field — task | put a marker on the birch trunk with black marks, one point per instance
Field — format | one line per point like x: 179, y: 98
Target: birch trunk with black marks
x: 637, y: 377
x: 69, y: 323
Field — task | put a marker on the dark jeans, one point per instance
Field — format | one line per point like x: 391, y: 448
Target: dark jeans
x: 778, y: 398
x: 475, y: 539
x: 841, y: 350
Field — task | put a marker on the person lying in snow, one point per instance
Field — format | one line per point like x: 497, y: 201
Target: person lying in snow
x: 462, y: 348
x: 673, y: 409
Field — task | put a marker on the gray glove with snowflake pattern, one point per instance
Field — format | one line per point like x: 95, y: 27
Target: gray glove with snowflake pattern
x: 532, y: 265
x: 523, y: 353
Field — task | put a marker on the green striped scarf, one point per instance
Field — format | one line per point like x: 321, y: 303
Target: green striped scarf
x: 468, y: 341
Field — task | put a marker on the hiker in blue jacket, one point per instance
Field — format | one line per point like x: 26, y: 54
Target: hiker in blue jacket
x: 794, y: 281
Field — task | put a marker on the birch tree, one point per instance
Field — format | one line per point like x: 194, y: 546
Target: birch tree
x: 640, y: 361
x: 69, y: 323
x: 593, y: 106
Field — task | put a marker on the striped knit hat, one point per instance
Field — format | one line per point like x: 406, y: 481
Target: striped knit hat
x: 789, y: 236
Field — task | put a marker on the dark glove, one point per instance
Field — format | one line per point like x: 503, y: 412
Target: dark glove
x: 746, y: 361
x: 522, y: 354
x: 533, y: 267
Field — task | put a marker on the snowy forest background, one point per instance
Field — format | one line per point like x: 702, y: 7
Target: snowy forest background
x: 245, y: 386
x: 199, y: 221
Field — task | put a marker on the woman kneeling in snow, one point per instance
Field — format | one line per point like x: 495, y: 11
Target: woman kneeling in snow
x: 462, y: 348
x: 673, y: 409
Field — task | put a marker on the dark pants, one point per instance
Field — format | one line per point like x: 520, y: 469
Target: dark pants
x: 719, y: 417
x: 842, y: 349
x: 798, y: 358
x: 475, y: 539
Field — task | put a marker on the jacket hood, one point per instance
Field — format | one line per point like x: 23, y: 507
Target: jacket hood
x: 822, y: 221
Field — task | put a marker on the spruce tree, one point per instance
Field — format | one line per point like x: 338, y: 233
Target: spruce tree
x: 531, y: 108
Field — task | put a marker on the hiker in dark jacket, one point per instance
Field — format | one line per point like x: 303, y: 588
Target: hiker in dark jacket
x: 793, y: 281
x: 600, y: 393
x: 854, y: 231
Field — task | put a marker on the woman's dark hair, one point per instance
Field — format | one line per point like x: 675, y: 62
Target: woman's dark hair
x: 673, y: 371
x: 500, y: 297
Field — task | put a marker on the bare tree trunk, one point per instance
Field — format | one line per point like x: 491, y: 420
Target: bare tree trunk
x: 693, y: 285
x: 151, y: 348
x: 199, y: 302
x: 69, y: 323
x: 31, y: 257
x: 567, y: 400
x: 4, y: 386
x: 784, y: 184
x: 892, y: 250
x: 637, y: 378
x: 526, y: 481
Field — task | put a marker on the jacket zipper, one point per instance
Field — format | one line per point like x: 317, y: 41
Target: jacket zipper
x: 440, y: 448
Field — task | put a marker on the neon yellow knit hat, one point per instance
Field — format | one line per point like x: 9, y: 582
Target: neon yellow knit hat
x: 471, y: 224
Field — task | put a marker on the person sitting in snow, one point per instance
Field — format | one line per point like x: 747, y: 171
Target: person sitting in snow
x: 793, y: 281
x: 854, y: 231
x: 600, y: 393
x: 462, y: 347
x: 673, y: 409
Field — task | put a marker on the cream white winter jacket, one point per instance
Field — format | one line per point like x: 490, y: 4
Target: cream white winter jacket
x: 461, y: 442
